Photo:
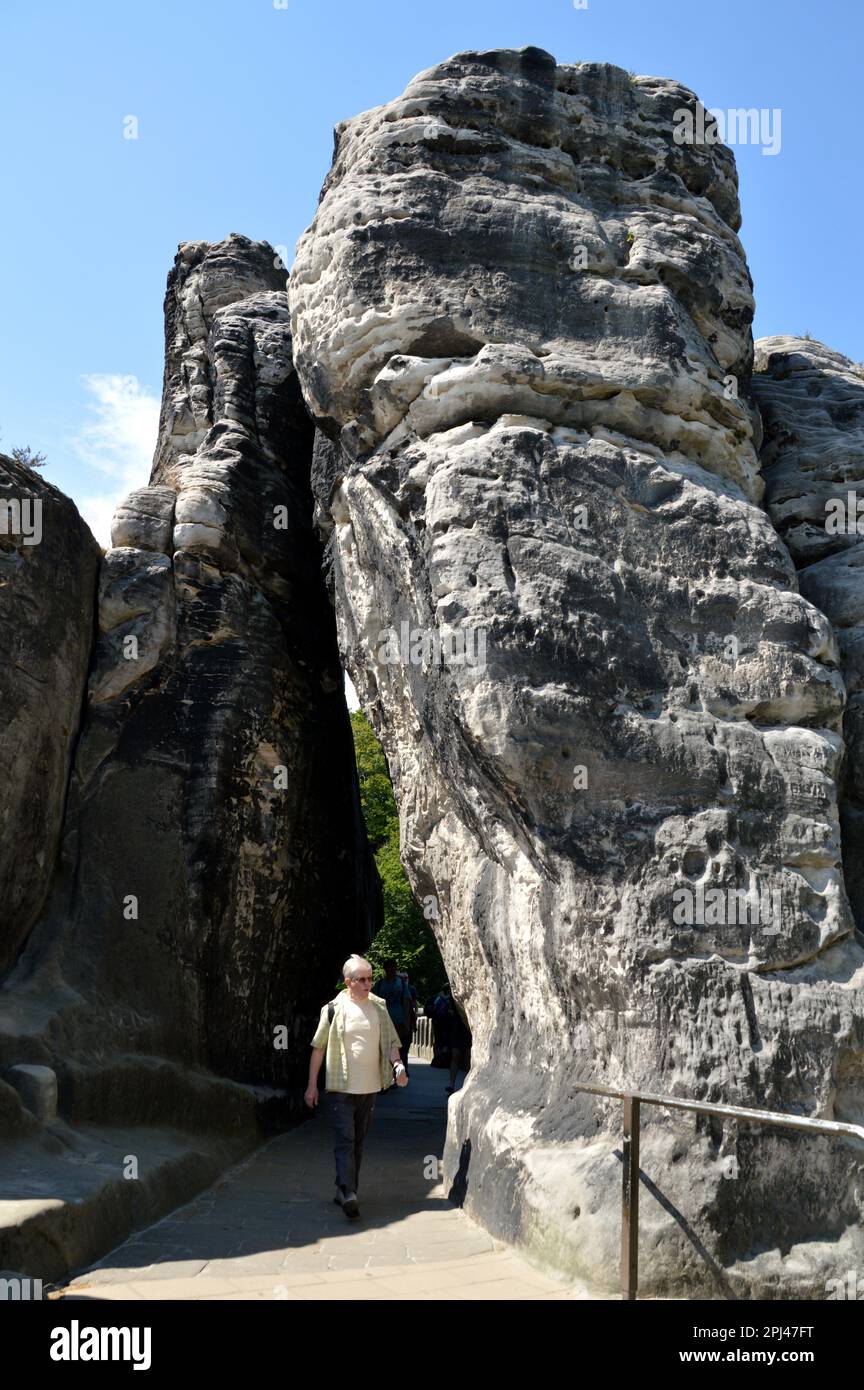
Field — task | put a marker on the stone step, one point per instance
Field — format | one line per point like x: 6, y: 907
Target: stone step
x: 69, y: 1195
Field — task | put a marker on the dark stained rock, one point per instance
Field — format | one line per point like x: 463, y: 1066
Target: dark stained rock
x: 812, y: 404
x: 215, y: 869
x: 48, y: 563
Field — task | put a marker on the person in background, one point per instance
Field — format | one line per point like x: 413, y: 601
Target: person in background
x: 460, y: 1045
x: 415, y: 1006
x: 362, y: 1050
x: 441, y: 1028
x: 397, y: 996
x: 415, y: 997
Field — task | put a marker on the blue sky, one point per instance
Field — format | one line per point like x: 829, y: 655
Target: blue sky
x: 236, y: 100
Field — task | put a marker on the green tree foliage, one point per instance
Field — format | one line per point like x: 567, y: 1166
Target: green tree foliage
x: 405, y: 935
x: 376, y: 790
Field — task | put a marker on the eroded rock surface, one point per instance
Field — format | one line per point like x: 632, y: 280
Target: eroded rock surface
x: 48, y: 563
x: 522, y: 316
x: 812, y: 404
x: 215, y: 862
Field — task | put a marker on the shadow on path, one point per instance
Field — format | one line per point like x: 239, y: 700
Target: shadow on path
x: 273, y: 1216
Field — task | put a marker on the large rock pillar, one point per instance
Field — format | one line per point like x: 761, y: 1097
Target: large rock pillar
x: 215, y: 870
x: 522, y: 315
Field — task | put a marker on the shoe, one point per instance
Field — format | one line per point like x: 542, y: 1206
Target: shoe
x: 350, y: 1205
x: 339, y: 1199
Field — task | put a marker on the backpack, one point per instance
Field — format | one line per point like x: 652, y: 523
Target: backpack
x: 407, y: 998
x: 441, y: 1007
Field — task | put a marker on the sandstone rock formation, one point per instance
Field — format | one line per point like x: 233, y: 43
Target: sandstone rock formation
x: 615, y: 722
x: 521, y: 317
x: 812, y: 404
x: 48, y: 562
x: 215, y: 864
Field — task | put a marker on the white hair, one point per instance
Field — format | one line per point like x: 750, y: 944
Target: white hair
x: 352, y: 965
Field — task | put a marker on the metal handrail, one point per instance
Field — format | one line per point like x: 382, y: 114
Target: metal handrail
x: 633, y: 1100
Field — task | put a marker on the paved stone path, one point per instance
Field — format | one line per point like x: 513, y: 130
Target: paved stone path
x: 269, y: 1229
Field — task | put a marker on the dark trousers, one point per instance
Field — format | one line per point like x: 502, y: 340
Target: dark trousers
x: 351, y: 1116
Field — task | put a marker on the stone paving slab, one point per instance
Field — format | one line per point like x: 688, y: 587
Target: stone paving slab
x: 269, y: 1229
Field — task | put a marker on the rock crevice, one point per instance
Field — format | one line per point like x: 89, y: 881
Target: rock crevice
x: 812, y: 403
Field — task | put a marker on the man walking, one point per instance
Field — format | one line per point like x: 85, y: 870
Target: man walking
x: 362, y: 1050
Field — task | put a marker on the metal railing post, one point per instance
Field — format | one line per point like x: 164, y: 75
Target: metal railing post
x: 630, y: 1200
x: 633, y: 1100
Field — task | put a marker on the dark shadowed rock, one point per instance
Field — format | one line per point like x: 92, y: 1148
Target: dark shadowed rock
x: 215, y: 869
x: 48, y: 562
x: 812, y: 404
x: 523, y: 314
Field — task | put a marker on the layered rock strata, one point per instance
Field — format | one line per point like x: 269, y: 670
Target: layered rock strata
x: 215, y: 867
x: 521, y: 317
x: 812, y: 404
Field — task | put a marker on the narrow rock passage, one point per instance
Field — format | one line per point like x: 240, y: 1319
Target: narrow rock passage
x: 270, y: 1229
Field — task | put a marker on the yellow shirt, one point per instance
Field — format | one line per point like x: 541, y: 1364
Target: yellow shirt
x: 362, y: 1044
x: 332, y: 1040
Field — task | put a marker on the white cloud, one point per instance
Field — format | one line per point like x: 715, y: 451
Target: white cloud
x: 98, y: 511
x: 118, y: 442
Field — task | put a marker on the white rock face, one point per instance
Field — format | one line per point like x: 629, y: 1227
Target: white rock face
x: 143, y: 520
x: 521, y: 315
